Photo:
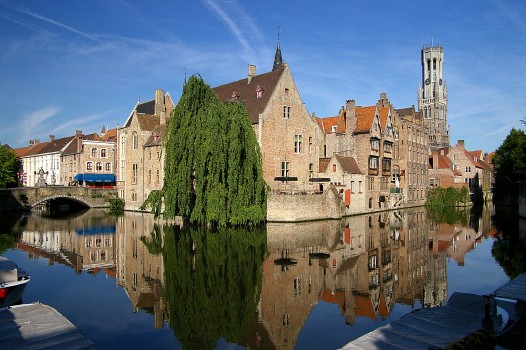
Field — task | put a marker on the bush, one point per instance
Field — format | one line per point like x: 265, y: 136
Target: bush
x: 116, y: 206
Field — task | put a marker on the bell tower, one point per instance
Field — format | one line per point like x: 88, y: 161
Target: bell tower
x: 432, y: 96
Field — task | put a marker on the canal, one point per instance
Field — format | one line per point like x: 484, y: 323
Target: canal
x: 128, y: 283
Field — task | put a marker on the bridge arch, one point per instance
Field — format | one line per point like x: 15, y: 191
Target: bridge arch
x: 76, y: 199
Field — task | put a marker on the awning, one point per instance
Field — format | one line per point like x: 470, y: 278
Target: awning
x: 286, y: 178
x: 320, y: 179
x: 88, y: 177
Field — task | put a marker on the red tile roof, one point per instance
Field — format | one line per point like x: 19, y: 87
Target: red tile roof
x: 365, y: 119
x: 383, y: 113
x: 364, y: 307
x: 327, y: 123
x: 110, y: 135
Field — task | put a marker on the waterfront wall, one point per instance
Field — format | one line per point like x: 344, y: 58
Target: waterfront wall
x: 288, y: 207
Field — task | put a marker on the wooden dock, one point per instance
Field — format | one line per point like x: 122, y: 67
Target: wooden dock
x: 38, y: 326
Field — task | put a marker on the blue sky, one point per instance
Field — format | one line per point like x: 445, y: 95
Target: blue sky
x: 79, y: 65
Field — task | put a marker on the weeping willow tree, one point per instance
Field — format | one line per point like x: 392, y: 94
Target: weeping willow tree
x: 212, y: 283
x: 213, y: 171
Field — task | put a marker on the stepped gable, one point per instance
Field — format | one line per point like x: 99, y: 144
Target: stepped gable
x: 245, y: 91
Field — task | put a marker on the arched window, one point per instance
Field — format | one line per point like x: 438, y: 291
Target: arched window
x: 93, y: 152
x: 334, y: 167
x: 135, y: 140
x: 103, y: 153
x: 108, y: 167
x: 98, y: 166
x: 89, y: 166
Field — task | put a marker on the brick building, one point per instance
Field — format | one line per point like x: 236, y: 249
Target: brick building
x: 288, y: 136
x: 140, y: 158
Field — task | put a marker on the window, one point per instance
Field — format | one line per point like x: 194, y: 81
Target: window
x: 373, y: 163
x: 334, y: 128
x: 135, y: 141
x: 103, y: 153
x: 98, y: 166
x: 259, y: 92
x: 158, y: 176
x: 388, y: 147
x: 359, y: 187
x: 311, y: 170
x: 93, y: 152
x: 468, y: 169
x: 286, y: 112
x: 284, y: 169
x: 375, y: 144
x: 108, y: 167
x: 334, y: 168
x: 370, y: 183
x: 386, y: 164
x: 310, y: 144
x: 135, y: 172
x: 149, y: 176
x: 297, y: 143
x: 286, y: 92
x: 89, y: 166
x: 352, y: 187
x: 134, y: 197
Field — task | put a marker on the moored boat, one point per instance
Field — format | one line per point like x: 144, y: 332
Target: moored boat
x: 13, y: 281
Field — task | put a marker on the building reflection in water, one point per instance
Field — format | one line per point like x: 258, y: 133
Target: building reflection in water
x: 363, y: 264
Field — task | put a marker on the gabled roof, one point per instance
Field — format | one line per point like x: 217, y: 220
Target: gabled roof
x: 349, y: 165
x: 365, y: 119
x: 445, y: 163
x: 22, y: 150
x: 322, y: 164
x: 35, y: 149
x: 156, y: 136
x: 327, y: 123
x: 146, y: 107
x: 245, y: 92
x: 405, y: 112
x: 384, y: 114
x: 56, y: 145
x: 110, y: 135
x: 470, y: 157
x: 147, y: 121
x: 483, y: 165
x: 477, y: 154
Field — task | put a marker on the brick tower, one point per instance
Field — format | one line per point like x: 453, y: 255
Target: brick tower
x: 432, y: 96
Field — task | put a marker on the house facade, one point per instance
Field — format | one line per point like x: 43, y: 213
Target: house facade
x: 140, y: 159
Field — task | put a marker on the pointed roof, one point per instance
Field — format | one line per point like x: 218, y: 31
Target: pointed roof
x: 110, y: 135
x: 384, y: 114
x: 278, y: 60
x: 327, y: 123
x: 35, y: 149
x: 365, y: 117
x: 348, y: 164
x: 22, y: 150
x: 246, y: 92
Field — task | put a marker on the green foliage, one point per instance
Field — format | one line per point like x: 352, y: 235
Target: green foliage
x: 154, y: 202
x: 6, y: 242
x: 213, y: 280
x: 509, y: 159
x: 509, y: 249
x: 116, y: 206
x: 213, y: 167
x: 447, y: 197
x: 9, y: 166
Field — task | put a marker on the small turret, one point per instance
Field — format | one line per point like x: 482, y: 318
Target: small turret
x: 278, y: 60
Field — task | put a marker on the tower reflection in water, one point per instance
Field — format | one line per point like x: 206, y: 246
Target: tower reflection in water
x: 258, y: 288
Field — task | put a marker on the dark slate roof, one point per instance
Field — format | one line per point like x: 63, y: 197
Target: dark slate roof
x: 56, y: 145
x: 146, y: 107
x: 402, y: 112
x: 156, y: 136
x: 246, y: 92
x: 35, y: 149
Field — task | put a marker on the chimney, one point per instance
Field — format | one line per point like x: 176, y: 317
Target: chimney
x: 383, y: 99
x: 31, y: 142
x: 350, y: 116
x: 460, y: 143
x: 160, y: 108
x: 78, y: 133
x: 51, y: 137
x: 251, y: 72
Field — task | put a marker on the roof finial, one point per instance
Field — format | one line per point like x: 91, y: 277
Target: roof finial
x: 278, y: 60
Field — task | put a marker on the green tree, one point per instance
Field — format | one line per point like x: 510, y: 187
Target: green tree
x: 213, y: 167
x: 9, y: 166
x: 508, y: 161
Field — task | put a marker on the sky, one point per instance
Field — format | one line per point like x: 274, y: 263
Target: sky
x: 81, y: 65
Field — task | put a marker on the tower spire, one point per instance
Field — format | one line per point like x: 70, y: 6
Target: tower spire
x: 278, y: 60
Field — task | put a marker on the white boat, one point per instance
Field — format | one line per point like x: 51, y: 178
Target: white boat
x: 13, y: 281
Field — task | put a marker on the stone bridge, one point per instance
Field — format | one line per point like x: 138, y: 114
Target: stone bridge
x: 26, y: 198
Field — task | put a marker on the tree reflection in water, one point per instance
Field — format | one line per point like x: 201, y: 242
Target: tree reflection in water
x: 212, y: 282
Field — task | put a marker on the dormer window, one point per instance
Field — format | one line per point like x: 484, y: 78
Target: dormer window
x: 235, y: 95
x: 259, y: 92
x: 334, y: 127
